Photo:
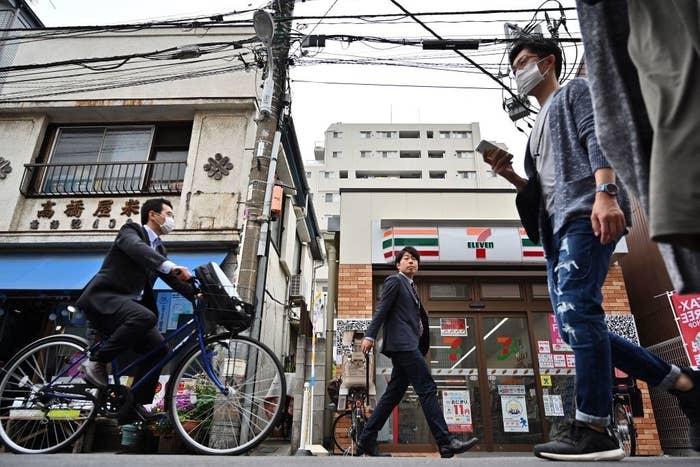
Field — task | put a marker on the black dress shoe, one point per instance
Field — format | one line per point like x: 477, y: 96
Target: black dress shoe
x: 457, y: 447
x: 138, y: 413
x: 371, y: 451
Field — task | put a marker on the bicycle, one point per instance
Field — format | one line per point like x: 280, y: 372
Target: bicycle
x: 348, y: 426
x: 231, y: 386
x: 624, y: 388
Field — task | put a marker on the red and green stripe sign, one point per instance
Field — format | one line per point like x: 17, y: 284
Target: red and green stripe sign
x: 423, y: 239
x: 530, y: 249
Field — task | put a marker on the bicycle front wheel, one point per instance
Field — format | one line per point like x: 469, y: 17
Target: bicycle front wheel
x: 212, y: 422
x: 346, y: 433
x: 626, y: 431
x: 44, y: 402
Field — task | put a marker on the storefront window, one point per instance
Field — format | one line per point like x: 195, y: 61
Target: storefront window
x: 500, y: 290
x: 514, y: 407
x: 443, y: 290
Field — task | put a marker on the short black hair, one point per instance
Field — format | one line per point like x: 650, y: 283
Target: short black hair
x: 407, y: 249
x: 540, y: 46
x: 155, y: 204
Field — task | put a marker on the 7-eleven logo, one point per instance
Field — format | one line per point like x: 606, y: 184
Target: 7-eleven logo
x: 481, y: 245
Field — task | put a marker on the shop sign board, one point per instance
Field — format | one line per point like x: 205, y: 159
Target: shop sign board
x: 456, y: 407
x: 687, y: 311
x: 453, y: 327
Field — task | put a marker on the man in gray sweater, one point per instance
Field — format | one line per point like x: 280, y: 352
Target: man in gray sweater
x: 581, y: 213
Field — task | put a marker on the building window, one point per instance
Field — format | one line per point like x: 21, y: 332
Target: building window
x: 429, y: 134
x: 389, y: 154
x: 437, y: 173
x: 365, y: 154
x: 386, y: 134
x: 540, y: 290
x: 445, y: 290
x: 337, y: 134
x: 329, y: 198
x: 337, y: 154
x: 328, y: 174
x: 497, y: 290
x: 343, y: 174
x: 436, y: 154
x: 308, y: 174
x: 409, y: 154
x: 464, y: 154
x: 470, y: 174
x: 444, y: 135
x: 491, y: 174
x: 460, y: 134
x: 113, y: 160
x: 365, y: 134
x: 413, y: 134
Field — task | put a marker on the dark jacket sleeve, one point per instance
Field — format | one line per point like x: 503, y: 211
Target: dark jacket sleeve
x: 186, y: 290
x: 389, y: 293
x: 129, y: 242
x: 582, y: 106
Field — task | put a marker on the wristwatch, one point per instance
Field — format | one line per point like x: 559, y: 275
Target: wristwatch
x: 608, y: 188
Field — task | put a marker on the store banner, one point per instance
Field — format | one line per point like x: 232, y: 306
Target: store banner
x: 457, y: 409
x: 558, y: 344
x: 453, y: 327
x: 687, y: 311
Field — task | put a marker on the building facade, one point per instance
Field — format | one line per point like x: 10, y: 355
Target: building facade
x: 495, y: 350
x: 80, y: 155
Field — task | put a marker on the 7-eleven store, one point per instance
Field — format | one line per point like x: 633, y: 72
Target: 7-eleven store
x: 503, y: 373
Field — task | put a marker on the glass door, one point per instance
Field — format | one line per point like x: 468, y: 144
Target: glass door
x: 514, y: 413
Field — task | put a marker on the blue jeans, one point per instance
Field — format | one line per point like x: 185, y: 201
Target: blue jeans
x: 410, y: 367
x: 577, y: 265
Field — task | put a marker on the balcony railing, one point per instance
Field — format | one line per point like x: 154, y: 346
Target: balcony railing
x: 103, y: 178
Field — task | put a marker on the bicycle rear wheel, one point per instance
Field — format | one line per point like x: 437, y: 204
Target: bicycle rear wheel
x: 44, y: 402
x: 215, y: 423
x: 345, y: 433
x: 624, y: 426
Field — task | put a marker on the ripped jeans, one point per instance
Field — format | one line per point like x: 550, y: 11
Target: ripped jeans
x: 577, y: 265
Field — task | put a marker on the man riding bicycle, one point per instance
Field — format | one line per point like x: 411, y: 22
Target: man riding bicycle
x: 120, y: 303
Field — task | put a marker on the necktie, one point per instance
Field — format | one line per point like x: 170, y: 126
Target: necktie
x: 415, y: 294
x: 158, y: 245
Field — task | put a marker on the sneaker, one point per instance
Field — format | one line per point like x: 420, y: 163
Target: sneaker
x: 689, y: 402
x: 581, y: 443
x: 95, y: 373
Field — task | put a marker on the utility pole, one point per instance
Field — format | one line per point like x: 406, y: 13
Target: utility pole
x: 254, y: 244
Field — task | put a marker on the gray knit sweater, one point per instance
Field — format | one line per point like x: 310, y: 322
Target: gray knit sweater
x: 576, y: 156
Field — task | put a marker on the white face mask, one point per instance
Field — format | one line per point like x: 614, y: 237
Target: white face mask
x: 167, y: 226
x: 529, y: 77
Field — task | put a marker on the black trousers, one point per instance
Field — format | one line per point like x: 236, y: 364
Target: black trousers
x: 131, y: 327
x: 409, y: 368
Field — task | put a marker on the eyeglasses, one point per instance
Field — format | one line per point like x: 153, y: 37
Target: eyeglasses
x: 520, y: 64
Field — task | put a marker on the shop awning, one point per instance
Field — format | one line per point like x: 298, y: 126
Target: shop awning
x: 71, y: 271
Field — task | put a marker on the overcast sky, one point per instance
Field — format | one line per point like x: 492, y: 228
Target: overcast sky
x: 315, y: 106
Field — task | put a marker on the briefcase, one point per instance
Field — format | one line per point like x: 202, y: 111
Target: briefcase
x: 222, y: 305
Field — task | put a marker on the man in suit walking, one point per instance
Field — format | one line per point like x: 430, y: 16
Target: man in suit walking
x: 406, y: 341
x: 120, y: 303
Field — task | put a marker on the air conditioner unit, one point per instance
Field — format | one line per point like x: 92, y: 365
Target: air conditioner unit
x: 297, y: 293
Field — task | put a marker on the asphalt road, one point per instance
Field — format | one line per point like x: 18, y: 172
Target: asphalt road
x: 480, y: 460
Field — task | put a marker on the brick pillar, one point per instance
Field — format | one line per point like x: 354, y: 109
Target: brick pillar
x: 355, y: 291
x: 616, y: 302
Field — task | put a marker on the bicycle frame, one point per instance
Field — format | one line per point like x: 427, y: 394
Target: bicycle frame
x: 195, y: 330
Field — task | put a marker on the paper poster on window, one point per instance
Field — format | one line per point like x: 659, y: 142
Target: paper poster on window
x: 456, y: 407
x: 552, y: 405
x: 546, y: 360
x: 453, y: 327
x: 559, y: 361
x: 514, y: 414
x: 570, y: 361
x: 558, y: 344
x: 543, y: 347
x: 511, y: 390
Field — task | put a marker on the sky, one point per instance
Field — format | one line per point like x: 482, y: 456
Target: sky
x: 315, y: 106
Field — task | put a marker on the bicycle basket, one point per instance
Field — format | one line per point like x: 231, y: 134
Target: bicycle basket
x: 222, y: 305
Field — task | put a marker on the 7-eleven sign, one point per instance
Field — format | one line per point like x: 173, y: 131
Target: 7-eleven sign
x: 478, y: 240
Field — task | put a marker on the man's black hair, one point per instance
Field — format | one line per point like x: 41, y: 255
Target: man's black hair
x: 407, y: 249
x: 155, y: 204
x: 539, y: 46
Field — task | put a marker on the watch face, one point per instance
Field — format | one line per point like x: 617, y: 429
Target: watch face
x: 611, y: 189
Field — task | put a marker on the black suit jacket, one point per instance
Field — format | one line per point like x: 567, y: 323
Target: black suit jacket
x: 131, y: 266
x: 399, y: 312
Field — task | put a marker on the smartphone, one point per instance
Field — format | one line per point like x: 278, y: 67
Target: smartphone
x: 490, y: 151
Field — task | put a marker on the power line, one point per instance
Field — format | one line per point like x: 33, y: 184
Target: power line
x: 393, y: 85
x: 426, y: 13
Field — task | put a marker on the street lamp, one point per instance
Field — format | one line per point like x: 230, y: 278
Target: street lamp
x: 264, y: 26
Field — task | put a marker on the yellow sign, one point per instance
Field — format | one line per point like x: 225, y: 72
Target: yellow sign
x: 546, y: 380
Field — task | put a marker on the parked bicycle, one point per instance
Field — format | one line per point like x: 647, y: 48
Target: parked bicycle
x: 230, y: 387
x: 348, y: 426
x: 625, y: 394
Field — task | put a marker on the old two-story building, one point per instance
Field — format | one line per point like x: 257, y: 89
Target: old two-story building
x: 85, y: 143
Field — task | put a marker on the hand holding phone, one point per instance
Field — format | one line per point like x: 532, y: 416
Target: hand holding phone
x: 492, y: 153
